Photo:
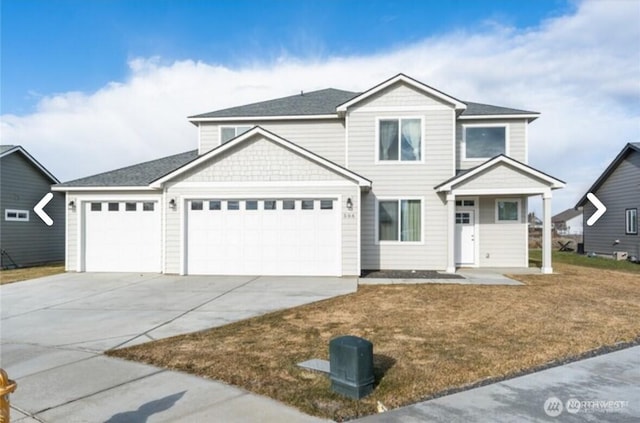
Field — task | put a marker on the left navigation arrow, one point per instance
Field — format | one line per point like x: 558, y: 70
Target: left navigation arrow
x: 40, y: 206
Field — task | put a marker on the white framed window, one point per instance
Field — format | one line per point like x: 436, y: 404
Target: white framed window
x: 399, y: 220
x: 631, y: 221
x: 484, y: 141
x: 400, y: 139
x: 508, y: 210
x: 16, y: 215
x: 229, y: 132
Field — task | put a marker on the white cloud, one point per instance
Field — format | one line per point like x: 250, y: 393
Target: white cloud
x: 581, y: 70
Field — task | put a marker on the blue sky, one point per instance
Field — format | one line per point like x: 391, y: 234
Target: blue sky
x: 89, y: 86
x: 79, y: 45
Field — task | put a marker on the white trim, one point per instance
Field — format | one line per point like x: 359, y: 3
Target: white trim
x: 399, y: 161
x: 163, y: 232
x: 525, y: 217
x: 527, y: 116
x: 630, y: 221
x: 346, y: 141
x: 363, y: 182
x: 463, y: 146
x: 259, y: 118
x: 261, y: 184
x: 183, y: 233
x: 409, y: 81
x: 454, y: 143
x: 67, y: 213
x: 510, y: 200
x: 376, y: 239
x: 401, y: 109
x: 554, y: 183
x: 81, y: 235
x: 526, y: 149
x: 31, y: 159
x: 359, y: 234
x: 102, y: 188
x: 17, y: 218
x: 502, y: 191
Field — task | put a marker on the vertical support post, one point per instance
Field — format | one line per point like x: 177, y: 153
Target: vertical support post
x: 451, y: 233
x: 546, y: 233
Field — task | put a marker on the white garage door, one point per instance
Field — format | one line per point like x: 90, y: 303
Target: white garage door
x: 122, y: 236
x: 263, y: 237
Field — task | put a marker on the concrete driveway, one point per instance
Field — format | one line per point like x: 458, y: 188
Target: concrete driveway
x: 54, y: 329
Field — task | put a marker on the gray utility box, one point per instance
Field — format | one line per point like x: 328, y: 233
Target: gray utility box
x: 351, y: 366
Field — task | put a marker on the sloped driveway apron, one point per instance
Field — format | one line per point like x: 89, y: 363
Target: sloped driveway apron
x: 53, y: 332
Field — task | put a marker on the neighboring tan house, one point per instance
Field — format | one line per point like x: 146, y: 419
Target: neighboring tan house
x: 330, y: 182
x: 618, y: 188
x: 569, y: 222
x: 25, y: 239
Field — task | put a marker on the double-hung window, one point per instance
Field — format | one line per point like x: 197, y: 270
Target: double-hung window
x: 631, y: 221
x: 400, y: 139
x: 484, y: 142
x: 229, y: 132
x: 400, y: 220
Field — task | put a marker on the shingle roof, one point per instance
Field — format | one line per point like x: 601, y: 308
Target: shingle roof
x: 137, y: 175
x: 479, y: 109
x: 321, y: 102
x: 325, y: 102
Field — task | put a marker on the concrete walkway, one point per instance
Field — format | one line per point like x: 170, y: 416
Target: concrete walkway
x: 54, y: 330
x: 599, y: 389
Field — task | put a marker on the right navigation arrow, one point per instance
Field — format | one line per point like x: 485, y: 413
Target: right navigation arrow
x: 600, y: 209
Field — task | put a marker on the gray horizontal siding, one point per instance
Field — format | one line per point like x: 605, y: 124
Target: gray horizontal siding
x: 323, y: 137
x: 502, y: 244
x: 32, y: 242
x: 619, y: 192
x: 402, y: 180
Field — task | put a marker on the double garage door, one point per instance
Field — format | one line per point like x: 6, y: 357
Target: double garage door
x: 222, y: 237
x: 263, y: 237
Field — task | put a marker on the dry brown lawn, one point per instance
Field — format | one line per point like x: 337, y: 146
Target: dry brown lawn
x: 427, y: 338
x: 17, y: 275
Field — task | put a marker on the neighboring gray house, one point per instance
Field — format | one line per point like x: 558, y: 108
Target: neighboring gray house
x: 24, y: 238
x: 568, y: 222
x: 618, y: 188
x: 330, y: 182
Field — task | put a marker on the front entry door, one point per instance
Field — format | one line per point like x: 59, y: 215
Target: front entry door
x: 465, y: 238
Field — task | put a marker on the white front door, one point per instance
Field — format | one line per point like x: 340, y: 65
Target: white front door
x: 465, y: 238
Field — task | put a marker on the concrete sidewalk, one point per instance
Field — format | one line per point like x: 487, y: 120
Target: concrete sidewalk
x: 55, y: 329
x: 599, y: 389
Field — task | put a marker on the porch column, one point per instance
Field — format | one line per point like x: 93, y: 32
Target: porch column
x: 546, y: 233
x: 451, y: 235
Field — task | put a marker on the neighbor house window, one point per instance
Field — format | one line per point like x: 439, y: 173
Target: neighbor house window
x: 508, y: 210
x: 484, y: 142
x: 631, y: 221
x: 400, y: 140
x: 16, y: 215
x: 400, y: 220
x: 229, y: 132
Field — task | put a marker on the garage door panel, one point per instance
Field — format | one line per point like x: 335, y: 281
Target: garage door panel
x: 262, y: 237
x: 122, y: 240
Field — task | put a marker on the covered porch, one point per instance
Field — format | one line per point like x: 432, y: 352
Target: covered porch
x: 487, y: 215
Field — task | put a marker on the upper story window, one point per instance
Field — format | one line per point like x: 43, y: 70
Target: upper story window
x: 484, y: 141
x: 400, y: 139
x: 230, y: 132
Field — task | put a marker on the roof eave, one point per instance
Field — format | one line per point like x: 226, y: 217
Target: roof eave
x: 76, y: 188
x: 529, y: 116
x: 18, y: 148
x: 195, y: 119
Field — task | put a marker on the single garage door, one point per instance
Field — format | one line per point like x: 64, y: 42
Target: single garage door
x: 263, y: 237
x: 122, y: 236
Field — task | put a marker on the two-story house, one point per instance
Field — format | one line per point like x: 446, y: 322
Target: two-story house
x: 330, y: 182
